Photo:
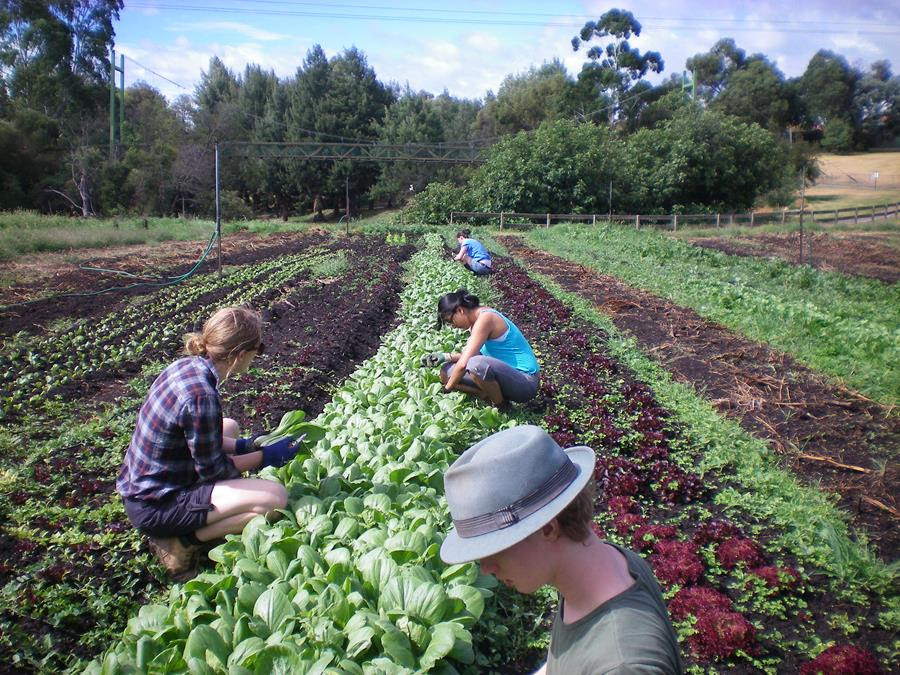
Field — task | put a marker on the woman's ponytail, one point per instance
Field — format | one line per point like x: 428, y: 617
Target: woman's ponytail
x: 225, y: 334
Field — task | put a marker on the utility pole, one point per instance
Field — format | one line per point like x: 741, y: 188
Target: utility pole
x: 218, y: 211
x: 347, y: 200
x: 610, y: 201
x: 112, y: 100
x: 802, y: 206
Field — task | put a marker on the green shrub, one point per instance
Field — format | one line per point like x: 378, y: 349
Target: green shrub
x: 434, y: 204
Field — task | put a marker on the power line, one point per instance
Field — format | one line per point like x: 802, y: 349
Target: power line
x: 691, y: 25
x: 477, y: 12
x: 141, y: 65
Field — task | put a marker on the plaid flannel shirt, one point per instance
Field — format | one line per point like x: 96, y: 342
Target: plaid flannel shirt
x: 178, y: 438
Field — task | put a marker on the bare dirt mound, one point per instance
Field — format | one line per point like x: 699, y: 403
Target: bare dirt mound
x: 864, y: 254
x: 826, y: 434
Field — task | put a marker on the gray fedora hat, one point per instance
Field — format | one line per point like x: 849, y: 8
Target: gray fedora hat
x: 508, y: 486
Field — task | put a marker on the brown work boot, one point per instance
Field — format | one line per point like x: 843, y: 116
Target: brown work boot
x: 178, y: 559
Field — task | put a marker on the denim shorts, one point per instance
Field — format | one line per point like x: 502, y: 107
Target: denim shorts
x: 178, y: 513
x: 478, y: 267
x: 515, y: 384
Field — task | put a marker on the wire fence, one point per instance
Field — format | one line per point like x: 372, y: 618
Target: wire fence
x: 675, y: 221
x: 862, y: 181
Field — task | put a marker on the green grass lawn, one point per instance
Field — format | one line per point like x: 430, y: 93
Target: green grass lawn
x: 845, y: 327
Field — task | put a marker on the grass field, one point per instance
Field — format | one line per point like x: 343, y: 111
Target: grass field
x: 27, y: 232
x: 860, y: 166
x: 845, y: 327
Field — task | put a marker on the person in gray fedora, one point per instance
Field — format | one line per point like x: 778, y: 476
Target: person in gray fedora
x: 522, y: 507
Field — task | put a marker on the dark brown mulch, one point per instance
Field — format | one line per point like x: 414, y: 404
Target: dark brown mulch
x: 816, y: 425
x: 857, y: 253
x: 55, y: 275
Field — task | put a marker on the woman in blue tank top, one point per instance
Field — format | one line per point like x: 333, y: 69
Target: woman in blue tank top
x: 497, y: 363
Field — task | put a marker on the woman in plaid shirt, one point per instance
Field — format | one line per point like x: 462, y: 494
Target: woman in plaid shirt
x: 180, y: 480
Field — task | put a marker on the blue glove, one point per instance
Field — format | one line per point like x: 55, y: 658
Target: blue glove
x: 279, y: 453
x: 244, y: 445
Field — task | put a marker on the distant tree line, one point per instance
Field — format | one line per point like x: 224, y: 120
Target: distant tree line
x: 559, y: 140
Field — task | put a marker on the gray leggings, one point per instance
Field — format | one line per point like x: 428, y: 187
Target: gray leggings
x: 515, y: 384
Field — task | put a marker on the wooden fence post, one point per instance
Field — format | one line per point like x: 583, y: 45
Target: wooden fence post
x: 451, y: 217
x: 873, y: 214
x: 548, y: 220
x: 783, y: 215
x: 502, y: 219
x: 752, y: 218
x: 674, y: 222
x: 731, y: 219
x: 594, y: 221
x: 637, y: 222
x: 718, y: 220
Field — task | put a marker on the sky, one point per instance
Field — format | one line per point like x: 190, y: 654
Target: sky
x: 467, y: 47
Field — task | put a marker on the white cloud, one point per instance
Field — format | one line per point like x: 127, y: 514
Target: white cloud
x: 484, y: 41
x: 244, y: 29
x: 853, y: 43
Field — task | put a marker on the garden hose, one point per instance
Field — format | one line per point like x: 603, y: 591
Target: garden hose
x: 169, y: 281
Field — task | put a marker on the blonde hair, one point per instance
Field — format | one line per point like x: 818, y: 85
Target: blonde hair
x: 226, y: 333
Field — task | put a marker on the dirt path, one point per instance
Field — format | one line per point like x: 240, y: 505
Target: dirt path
x: 816, y: 426
x: 867, y: 254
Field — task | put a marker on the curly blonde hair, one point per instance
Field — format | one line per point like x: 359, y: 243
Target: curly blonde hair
x: 226, y: 333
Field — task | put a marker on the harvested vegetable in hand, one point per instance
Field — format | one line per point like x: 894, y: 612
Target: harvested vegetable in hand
x: 293, y: 426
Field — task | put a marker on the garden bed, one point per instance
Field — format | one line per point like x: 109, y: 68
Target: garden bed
x: 816, y: 425
x: 71, y: 568
x: 51, y: 275
x: 744, y: 594
x: 865, y: 254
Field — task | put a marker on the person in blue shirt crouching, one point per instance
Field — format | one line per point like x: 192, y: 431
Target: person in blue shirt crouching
x: 497, y: 364
x: 472, y: 254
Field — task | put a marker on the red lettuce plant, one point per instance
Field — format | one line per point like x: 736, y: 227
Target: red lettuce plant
x: 716, y: 530
x: 733, y: 552
x: 622, y: 505
x: 693, y: 600
x: 781, y: 578
x: 646, y: 536
x: 720, y: 634
x: 676, y: 562
x: 842, y: 660
x: 626, y: 522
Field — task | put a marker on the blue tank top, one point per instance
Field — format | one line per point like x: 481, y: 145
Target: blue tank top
x: 476, y: 250
x: 511, y: 348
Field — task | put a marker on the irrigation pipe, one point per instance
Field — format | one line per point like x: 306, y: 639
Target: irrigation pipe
x: 170, y: 281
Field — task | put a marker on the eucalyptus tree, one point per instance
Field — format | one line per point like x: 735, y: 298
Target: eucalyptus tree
x: 757, y: 92
x: 612, y: 70
x: 713, y: 69
x: 54, y: 69
x: 526, y: 100
x: 54, y: 54
x: 876, y: 104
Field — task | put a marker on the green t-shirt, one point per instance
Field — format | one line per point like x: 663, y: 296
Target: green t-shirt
x: 629, y: 633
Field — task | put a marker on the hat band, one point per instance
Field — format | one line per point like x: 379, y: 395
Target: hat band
x: 522, y: 508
